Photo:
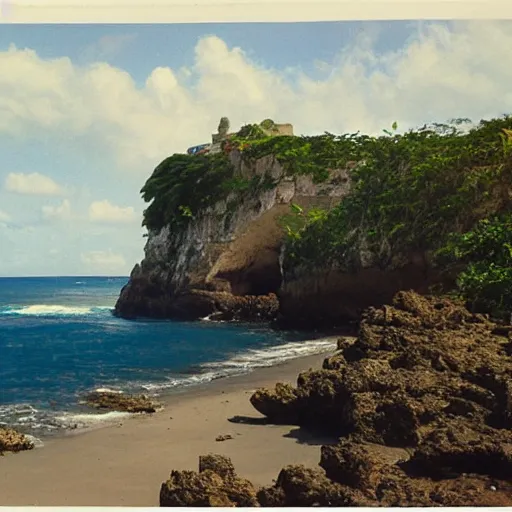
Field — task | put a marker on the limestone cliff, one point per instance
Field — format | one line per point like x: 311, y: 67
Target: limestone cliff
x: 229, y: 253
x: 216, y: 240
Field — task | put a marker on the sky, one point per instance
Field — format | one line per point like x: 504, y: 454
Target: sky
x: 88, y: 111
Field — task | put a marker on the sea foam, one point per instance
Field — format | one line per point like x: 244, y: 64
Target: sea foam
x: 243, y: 363
x: 52, y: 310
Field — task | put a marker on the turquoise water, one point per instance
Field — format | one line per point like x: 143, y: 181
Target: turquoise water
x: 59, y: 340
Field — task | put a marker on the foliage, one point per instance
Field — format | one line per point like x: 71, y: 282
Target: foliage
x: 182, y: 185
x: 410, y: 191
x: 249, y: 132
x: 312, y: 155
x: 486, y: 250
x: 268, y: 124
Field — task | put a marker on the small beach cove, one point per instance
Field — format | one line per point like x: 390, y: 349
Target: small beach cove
x: 69, y: 343
x: 123, y: 464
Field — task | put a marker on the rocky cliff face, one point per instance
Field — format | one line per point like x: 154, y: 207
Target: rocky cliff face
x: 226, y: 261
x: 337, y: 295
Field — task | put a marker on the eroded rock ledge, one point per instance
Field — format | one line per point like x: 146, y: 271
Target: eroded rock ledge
x: 422, y: 404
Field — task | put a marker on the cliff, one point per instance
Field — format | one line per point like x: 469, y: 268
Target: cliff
x: 228, y: 254
x: 312, y: 230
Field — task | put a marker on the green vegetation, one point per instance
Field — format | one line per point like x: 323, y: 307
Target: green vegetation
x: 486, y: 252
x: 183, y: 185
x: 423, y: 191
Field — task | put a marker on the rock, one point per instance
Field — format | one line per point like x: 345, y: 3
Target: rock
x: 120, y: 402
x: 421, y: 404
x: 279, y: 405
x: 412, y: 363
x: 216, y: 485
x: 379, y: 474
x: 191, y: 489
x: 425, y: 376
x: 298, y: 486
x: 218, y: 464
x: 13, y: 441
x: 224, y: 437
x: 455, y: 446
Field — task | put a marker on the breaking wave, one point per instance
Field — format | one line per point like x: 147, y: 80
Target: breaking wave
x: 52, y: 310
x: 243, y: 363
x: 43, y: 422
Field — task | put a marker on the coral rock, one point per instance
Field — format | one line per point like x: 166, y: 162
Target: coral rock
x: 13, y: 441
x: 216, y: 485
x: 120, y: 402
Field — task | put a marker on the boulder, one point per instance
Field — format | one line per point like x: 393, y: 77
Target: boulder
x: 215, y: 485
x: 13, y: 441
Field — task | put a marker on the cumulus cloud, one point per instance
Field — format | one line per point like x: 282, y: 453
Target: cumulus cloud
x: 104, y: 261
x: 59, y: 212
x: 32, y: 184
x: 443, y: 71
x: 4, y: 217
x: 106, y: 212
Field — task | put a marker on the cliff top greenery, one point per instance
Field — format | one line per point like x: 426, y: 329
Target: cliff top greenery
x: 411, y: 192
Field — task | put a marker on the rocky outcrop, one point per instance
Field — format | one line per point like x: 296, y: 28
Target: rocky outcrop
x: 215, y: 485
x: 13, y: 441
x: 412, y: 365
x: 421, y: 403
x: 351, y: 474
x: 112, y: 401
x: 426, y: 376
x: 232, y: 248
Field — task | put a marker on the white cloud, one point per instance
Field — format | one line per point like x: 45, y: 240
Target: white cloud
x: 32, y: 184
x: 59, y: 212
x: 442, y: 72
x: 104, y: 211
x: 104, y: 261
x: 4, y: 217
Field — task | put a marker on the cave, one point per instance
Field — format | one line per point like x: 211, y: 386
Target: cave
x: 261, y: 277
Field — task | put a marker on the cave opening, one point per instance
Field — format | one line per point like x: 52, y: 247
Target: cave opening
x: 261, y: 277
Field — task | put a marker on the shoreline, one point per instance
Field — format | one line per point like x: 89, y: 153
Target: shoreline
x: 124, y: 464
x: 91, y: 417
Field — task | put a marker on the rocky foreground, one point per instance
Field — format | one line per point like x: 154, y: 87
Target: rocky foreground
x: 421, y: 402
x: 13, y: 441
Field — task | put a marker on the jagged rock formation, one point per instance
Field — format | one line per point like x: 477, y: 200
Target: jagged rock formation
x: 422, y: 402
x: 13, y: 441
x: 216, y: 485
x: 112, y: 401
x: 412, y: 365
x: 228, y: 254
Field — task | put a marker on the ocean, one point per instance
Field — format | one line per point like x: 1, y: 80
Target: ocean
x: 60, y: 340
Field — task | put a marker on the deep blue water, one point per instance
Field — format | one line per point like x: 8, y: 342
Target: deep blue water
x: 59, y: 339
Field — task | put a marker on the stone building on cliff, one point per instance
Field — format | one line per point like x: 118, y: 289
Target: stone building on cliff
x: 268, y: 127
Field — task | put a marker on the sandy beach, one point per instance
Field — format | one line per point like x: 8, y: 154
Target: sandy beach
x: 125, y: 464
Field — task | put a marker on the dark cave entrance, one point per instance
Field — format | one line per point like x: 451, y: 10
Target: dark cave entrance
x: 261, y: 277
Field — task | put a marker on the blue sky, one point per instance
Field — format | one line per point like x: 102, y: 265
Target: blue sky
x: 87, y: 111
